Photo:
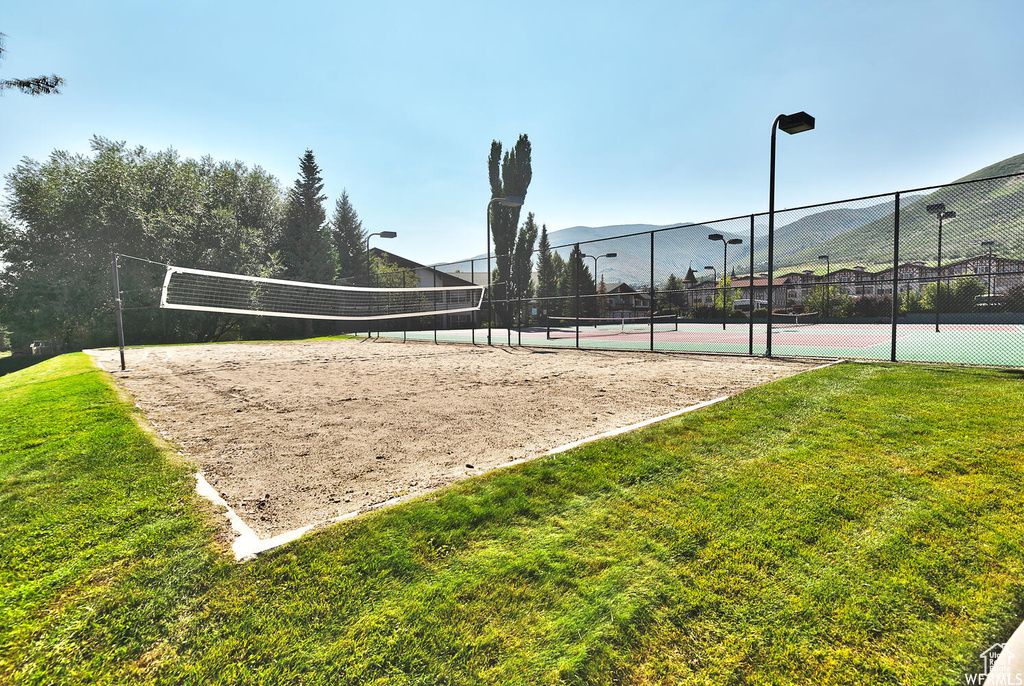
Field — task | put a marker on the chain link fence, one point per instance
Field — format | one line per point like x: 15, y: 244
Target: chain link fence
x: 929, y: 275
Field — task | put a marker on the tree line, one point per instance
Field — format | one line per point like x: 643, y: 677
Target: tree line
x: 67, y: 215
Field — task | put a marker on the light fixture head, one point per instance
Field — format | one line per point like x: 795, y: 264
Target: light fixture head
x: 987, y: 243
x: 512, y: 201
x: 796, y: 123
x: 735, y: 241
x: 709, y: 267
x: 715, y: 237
x: 937, y: 208
x: 949, y: 215
x: 822, y: 257
x: 388, y: 234
x: 611, y: 254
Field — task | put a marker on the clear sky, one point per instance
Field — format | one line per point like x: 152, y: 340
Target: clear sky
x: 639, y: 112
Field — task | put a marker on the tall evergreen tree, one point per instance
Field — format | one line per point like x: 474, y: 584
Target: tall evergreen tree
x: 509, y: 175
x: 307, y: 250
x: 547, y: 277
x: 522, y: 264
x: 349, y: 238
x: 579, y: 279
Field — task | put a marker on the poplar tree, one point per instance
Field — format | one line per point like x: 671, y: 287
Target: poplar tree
x: 509, y: 176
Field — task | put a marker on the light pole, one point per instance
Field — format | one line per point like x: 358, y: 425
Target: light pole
x: 828, y: 284
x: 725, y: 262
x: 506, y: 201
x: 714, y: 276
x: 791, y: 124
x: 596, y: 258
x: 991, y: 286
x: 939, y: 210
x: 382, y: 234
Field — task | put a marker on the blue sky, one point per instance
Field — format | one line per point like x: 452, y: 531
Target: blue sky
x: 639, y: 112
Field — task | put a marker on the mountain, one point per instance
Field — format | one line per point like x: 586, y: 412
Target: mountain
x: 851, y: 234
x: 985, y: 211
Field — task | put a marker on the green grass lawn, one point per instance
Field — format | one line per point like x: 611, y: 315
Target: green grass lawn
x: 862, y: 524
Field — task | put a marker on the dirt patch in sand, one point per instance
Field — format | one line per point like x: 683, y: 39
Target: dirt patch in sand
x: 296, y: 433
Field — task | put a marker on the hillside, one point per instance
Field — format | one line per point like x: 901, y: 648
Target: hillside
x: 850, y: 234
x: 985, y: 211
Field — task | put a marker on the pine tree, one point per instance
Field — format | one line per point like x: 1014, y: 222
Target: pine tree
x: 547, y: 278
x: 306, y: 247
x: 522, y: 264
x: 349, y: 238
x: 580, y: 280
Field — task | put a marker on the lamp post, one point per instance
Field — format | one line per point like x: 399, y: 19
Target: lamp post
x: 714, y: 275
x: 791, y: 124
x: 725, y: 262
x: 382, y: 234
x: 828, y: 284
x: 940, y: 211
x: 991, y: 286
x: 506, y: 201
x: 596, y: 280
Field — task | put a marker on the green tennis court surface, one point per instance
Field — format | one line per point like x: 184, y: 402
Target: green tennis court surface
x: 987, y: 344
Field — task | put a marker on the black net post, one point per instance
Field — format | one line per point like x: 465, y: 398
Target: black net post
x: 117, y: 308
x: 473, y: 316
x: 895, y: 274
x: 576, y: 272
x: 751, y: 305
x: 652, y: 292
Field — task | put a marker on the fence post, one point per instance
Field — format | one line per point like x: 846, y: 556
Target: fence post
x: 473, y: 315
x: 576, y: 272
x: 750, y: 317
x: 895, y: 274
x: 117, y: 308
x: 652, y: 292
x: 437, y: 317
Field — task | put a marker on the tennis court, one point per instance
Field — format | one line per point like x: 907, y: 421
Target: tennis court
x: 987, y: 344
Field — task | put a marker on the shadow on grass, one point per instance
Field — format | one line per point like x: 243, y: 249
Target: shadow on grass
x: 9, y: 365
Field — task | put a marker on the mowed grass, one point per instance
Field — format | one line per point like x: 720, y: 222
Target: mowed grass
x: 862, y: 524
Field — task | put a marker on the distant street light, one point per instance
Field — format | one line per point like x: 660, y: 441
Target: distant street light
x: 828, y: 284
x: 725, y: 262
x: 791, y: 124
x: 939, y: 210
x: 508, y: 201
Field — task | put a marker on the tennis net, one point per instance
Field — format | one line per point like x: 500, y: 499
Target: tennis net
x: 787, y: 321
x: 566, y: 327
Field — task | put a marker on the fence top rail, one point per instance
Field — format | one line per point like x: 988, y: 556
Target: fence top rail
x: 749, y: 215
x: 798, y: 208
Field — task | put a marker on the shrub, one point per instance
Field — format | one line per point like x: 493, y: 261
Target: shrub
x: 760, y: 313
x: 872, y: 306
x: 704, y: 311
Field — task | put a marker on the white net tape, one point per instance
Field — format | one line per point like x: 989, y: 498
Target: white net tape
x: 206, y: 291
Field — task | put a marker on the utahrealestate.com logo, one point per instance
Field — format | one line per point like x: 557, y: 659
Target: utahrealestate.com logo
x: 992, y: 674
